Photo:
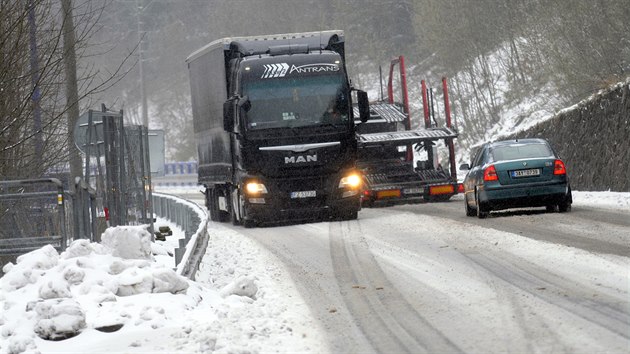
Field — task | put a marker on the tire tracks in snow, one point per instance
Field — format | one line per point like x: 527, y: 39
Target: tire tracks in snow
x: 608, y: 312
x: 390, y: 323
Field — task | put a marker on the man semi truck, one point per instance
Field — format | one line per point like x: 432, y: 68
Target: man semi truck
x: 274, y: 127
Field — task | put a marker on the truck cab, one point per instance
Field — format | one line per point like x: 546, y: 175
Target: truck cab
x: 288, y: 149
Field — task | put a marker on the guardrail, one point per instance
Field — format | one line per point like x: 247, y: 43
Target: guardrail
x: 193, y: 219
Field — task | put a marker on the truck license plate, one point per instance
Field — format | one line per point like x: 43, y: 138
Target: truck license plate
x: 413, y: 191
x: 526, y: 173
x: 303, y: 194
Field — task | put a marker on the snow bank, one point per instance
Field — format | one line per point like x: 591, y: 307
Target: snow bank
x: 53, y: 296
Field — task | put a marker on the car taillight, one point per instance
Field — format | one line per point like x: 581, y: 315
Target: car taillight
x: 490, y: 174
x: 558, y: 168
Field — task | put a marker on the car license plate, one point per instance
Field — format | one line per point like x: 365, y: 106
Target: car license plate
x: 303, y: 194
x: 526, y: 173
x: 413, y: 191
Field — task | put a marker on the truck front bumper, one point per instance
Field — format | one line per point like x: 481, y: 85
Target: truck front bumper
x: 303, y: 198
x: 276, y: 210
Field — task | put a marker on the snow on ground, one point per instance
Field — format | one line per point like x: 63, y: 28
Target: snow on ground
x: 242, y: 301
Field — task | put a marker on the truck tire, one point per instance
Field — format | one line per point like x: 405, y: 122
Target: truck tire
x: 351, y: 215
x: 223, y: 191
x: 212, y: 202
x: 248, y: 223
x: 237, y: 213
x: 235, y: 208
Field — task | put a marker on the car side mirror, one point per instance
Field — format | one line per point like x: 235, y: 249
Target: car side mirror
x: 464, y: 167
x: 364, y: 106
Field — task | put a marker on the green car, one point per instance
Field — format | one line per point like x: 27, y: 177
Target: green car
x: 518, y: 173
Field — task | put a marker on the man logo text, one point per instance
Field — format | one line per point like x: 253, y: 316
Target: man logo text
x: 300, y: 159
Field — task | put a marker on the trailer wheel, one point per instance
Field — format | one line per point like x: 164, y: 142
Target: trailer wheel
x: 212, y: 203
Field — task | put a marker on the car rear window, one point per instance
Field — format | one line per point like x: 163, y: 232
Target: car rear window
x: 520, y: 151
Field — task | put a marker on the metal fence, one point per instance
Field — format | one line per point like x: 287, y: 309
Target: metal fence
x: 38, y: 212
x: 117, y: 164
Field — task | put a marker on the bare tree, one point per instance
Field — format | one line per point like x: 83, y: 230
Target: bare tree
x: 36, y: 49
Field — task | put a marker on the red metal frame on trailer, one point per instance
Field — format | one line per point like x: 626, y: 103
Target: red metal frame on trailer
x: 394, y: 177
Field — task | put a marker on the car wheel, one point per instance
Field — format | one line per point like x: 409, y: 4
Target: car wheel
x: 469, y: 211
x: 565, y: 204
x: 482, y: 212
x: 551, y: 208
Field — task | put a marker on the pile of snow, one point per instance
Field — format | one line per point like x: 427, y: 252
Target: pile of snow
x: 117, y: 296
x: 56, y: 296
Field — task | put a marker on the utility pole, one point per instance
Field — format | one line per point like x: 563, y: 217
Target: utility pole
x: 143, y: 91
x: 72, y: 94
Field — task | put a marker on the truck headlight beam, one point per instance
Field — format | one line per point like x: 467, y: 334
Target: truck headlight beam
x: 255, y: 188
x: 351, y: 181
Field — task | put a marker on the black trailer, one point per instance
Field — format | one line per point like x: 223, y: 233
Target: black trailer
x: 274, y: 129
x: 386, y: 158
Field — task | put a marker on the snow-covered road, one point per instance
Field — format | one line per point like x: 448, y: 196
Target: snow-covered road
x: 424, y: 277
x: 408, y: 278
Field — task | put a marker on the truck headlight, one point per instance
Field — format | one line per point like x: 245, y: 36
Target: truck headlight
x: 255, y: 188
x: 351, y: 181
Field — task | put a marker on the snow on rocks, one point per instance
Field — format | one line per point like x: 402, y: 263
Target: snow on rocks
x: 243, y: 301
x: 242, y: 286
x: 57, y: 318
x: 128, y: 242
x: 53, y: 295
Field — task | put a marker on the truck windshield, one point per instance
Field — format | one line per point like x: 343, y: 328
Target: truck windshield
x: 296, y: 102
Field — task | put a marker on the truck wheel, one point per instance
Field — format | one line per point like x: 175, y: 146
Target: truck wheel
x: 238, y: 214
x: 235, y: 210
x: 222, y: 192
x: 351, y: 215
x: 212, y: 204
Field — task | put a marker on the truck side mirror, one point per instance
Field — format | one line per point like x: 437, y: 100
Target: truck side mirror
x: 364, y: 106
x: 229, y: 110
x: 244, y: 104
